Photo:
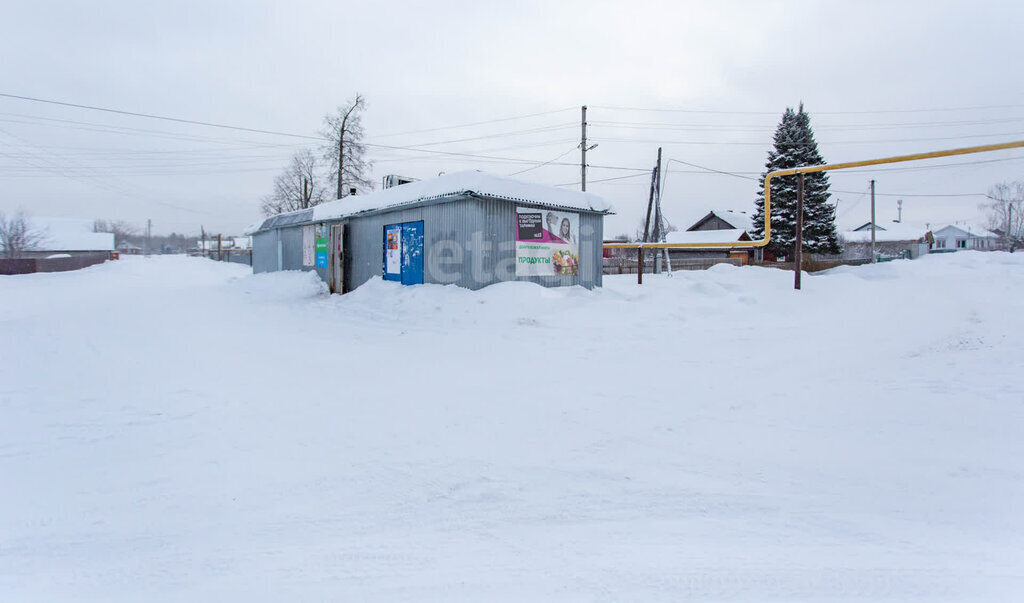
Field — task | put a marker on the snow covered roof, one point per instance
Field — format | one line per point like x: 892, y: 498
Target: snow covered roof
x: 734, y: 218
x: 886, y: 232
x: 459, y: 183
x: 968, y: 228
x: 737, y: 219
x: 707, y: 236
x: 71, y: 234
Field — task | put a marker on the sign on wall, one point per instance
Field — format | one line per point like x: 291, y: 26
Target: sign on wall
x: 321, y: 246
x: 393, y: 250
x: 308, y: 246
x: 547, y: 242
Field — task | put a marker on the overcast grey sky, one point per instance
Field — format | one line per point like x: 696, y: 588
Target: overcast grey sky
x: 707, y: 81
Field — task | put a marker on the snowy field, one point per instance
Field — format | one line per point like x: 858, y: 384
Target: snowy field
x: 175, y: 429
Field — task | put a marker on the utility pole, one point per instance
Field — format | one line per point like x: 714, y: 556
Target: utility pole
x: 149, y: 233
x: 341, y: 155
x: 202, y: 230
x: 219, y: 246
x: 798, y: 252
x: 899, y: 210
x: 873, y: 259
x: 304, y: 204
x: 658, y: 227
x: 1009, y: 227
x: 583, y: 149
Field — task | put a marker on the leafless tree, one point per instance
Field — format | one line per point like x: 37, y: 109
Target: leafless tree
x: 121, y: 229
x: 344, y: 150
x: 1006, y: 212
x: 668, y: 227
x: 298, y: 187
x: 18, y: 235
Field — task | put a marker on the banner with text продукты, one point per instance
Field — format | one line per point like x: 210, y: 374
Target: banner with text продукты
x: 547, y: 242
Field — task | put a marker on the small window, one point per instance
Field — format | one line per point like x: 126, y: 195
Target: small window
x: 940, y: 243
x: 961, y: 243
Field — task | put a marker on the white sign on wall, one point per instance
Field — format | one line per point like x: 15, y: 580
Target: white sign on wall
x: 393, y: 249
x: 308, y: 246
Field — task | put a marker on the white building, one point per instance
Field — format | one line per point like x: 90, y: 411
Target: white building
x: 963, y: 235
x: 69, y: 236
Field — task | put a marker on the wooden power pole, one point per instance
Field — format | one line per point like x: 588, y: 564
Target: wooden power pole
x: 584, y: 148
x: 873, y: 260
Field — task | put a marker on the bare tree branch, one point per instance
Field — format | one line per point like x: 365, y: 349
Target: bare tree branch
x: 344, y: 151
x: 18, y: 235
x: 1006, y: 212
x: 121, y: 229
x: 298, y: 187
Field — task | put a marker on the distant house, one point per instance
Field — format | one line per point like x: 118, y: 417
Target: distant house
x: 232, y: 242
x: 69, y: 237
x: 961, y: 236
x: 1008, y: 243
x: 724, y: 220
x: 126, y: 248
x: 892, y: 240
x: 716, y: 230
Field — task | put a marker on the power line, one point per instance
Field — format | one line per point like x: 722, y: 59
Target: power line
x: 545, y: 163
x: 866, y: 112
x: 934, y: 167
x: 771, y: 127
x: 127, y: 131
x: 476, y: 123
x: 253, y: 130
x: 160, y: 117
x: 705, y: 168
x: 576, y: 183
x: 740, y: 175
x: 832, y: 142
x: 498, y: 135
x: 95, y: 179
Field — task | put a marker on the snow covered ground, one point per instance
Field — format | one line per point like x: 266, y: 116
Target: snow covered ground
x: 175, y: 429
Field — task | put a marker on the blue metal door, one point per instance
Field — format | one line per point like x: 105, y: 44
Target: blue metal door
x: 412, y: 253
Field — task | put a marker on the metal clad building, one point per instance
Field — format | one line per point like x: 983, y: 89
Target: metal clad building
x: 469, y: 229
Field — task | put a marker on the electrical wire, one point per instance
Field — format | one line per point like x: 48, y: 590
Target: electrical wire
x: 499, y: 135
x: 772, y: 127
x: 867, y: 112
x: 832, y: 142
x: 604, y: 179
x: 740, y: 175
x: 545, y: 163
x: 476, y: 123
x: 160, y: 117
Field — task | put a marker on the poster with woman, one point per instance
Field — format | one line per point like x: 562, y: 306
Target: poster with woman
x: 547, y: 242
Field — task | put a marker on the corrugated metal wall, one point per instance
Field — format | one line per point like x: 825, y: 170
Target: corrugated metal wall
x: 278, y: 249
x: 468, y: 241
x: 264, y: 251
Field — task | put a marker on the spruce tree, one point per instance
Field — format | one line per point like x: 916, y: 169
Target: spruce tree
x: 795, y: 147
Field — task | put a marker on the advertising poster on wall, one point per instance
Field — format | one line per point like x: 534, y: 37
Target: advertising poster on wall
x: 393, y: 249
x: 547, y: 242
x: 321, y: 246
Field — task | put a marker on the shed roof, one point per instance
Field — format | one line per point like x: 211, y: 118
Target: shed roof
x: 460, y: 183
x: 435, y: 189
